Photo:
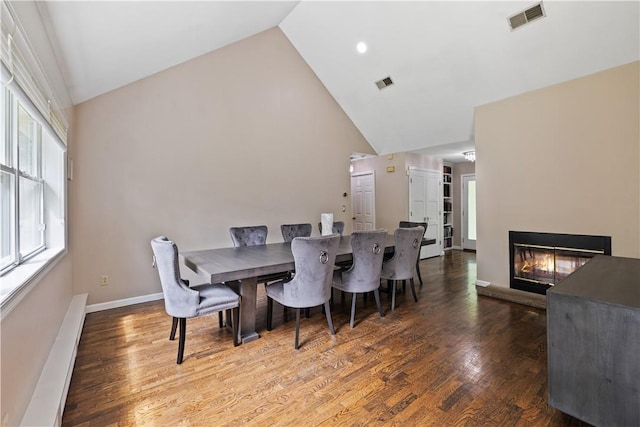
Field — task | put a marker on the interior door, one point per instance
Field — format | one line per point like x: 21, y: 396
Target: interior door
x: 417, y: 196
x: 424, y: 206
x: 469, y: 212
x: 363, y: 192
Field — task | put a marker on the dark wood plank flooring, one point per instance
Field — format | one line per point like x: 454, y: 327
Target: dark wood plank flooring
x: 454, y: 358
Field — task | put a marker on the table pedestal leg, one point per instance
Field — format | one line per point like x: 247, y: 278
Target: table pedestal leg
x: 248, y: 292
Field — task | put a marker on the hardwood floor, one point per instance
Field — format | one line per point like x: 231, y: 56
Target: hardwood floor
x: 453, y: 358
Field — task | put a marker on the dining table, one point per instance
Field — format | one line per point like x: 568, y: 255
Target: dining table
x: 244, y: 264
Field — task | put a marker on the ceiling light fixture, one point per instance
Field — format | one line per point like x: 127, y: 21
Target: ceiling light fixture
x: 469, y: 156
x: 362, y: 47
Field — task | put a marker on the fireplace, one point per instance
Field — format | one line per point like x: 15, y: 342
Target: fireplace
x: 538, y: 261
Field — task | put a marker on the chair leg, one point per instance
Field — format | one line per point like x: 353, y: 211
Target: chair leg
x: 376, y: 294
x: 228, y: 317
x: 307, y: 312
x: 393, y: 296
x: 220, y: 320
x: 418, y: 269
x: 327, y: 308
x: 353, y: 309
x: 235, y: 328
x: 270, y: 313
x: 174, y: 325
x: 413, y: 290
x: 182, y: 338
x: 296, y: 346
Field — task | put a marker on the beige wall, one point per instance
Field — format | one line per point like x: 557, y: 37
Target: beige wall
x: 27, y: 335
x: 459, y: 169
x: 423, y: 162
x: 244, y: 135
x: 563, y: 159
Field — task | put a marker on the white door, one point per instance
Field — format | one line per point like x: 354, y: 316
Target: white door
x: 424, y: 206
x: 417, y: 197
x: 469, y: 212
x: 363, y: 192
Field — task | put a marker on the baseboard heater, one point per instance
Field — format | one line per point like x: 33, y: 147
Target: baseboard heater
x: 49, y: 397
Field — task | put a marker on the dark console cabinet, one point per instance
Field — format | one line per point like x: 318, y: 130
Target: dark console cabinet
x: 593, y: 338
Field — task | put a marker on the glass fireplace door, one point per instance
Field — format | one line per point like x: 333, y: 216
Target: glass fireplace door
x: 547, y: 264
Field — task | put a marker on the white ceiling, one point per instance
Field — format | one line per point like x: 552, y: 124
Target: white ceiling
x: 445, y: 58
x: 104, y: 45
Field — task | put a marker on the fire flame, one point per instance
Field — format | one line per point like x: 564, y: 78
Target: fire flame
x: 546, y: 263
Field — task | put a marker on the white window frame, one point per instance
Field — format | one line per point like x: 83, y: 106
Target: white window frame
x: 28, y: 268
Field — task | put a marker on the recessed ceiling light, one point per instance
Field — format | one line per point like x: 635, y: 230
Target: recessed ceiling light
x: 362, y: 47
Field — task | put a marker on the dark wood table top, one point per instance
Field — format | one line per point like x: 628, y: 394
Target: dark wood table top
x: 227, y: 264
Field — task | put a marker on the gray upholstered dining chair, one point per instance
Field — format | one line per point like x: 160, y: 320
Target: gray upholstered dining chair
x: 181, y: 301
x: 289, y: 231
x: 254, y: 235
x: 364, y: 274
x: 403, y: 263
x: 410, y: 224
x: 338, y: 227
x: 311, y: 286
x: 249, y: 236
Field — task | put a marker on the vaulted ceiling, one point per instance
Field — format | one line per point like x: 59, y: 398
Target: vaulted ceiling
x: 444, y: 58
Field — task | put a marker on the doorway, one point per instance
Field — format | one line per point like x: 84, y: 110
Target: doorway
x: 425, y: 205
x: 363, y: 191
x: 469, y: 212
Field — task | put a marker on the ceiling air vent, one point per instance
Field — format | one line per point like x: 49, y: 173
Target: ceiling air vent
x: 524, y: 17
x: 384, y: 82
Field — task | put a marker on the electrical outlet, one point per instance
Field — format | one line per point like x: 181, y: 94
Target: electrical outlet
x: 104, y: 280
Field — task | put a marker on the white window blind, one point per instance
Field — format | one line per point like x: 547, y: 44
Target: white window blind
x: 24, y: 68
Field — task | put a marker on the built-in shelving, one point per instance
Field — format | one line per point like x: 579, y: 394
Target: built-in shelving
x: 447, y: 207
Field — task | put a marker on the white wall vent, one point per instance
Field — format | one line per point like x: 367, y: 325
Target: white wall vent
x: 531, y: 14
x: 384, y: 82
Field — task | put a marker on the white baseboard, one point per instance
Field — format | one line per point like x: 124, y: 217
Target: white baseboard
x: 123, y: 302
x: 482, y: 283
x: 50, y: 395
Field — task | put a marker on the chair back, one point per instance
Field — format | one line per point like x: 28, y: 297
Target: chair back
x: 409, y: 224
x: 179, y: 300
x: 290, y: 231
x: 249, y: 236
x: 403, y: 263
x: 338, y: 227
x: 314, y: 259
x: 368, y: 250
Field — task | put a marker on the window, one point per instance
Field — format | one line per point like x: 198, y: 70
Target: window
x: 32, y: 198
